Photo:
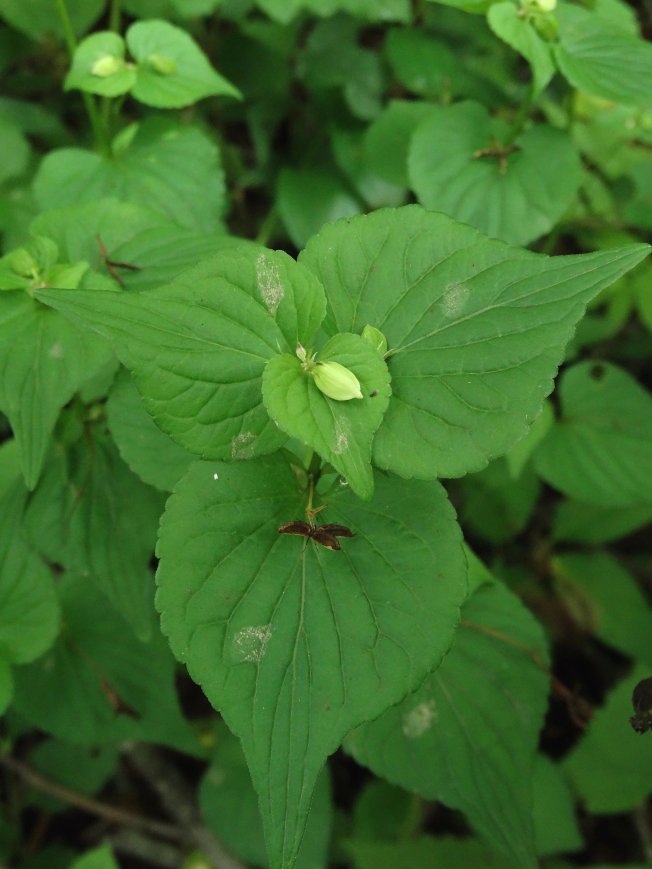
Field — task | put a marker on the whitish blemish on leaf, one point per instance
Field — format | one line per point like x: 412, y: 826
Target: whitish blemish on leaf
x: 216, y: 476
x: 419, y: 719
x: 56, y: 351
x: 454, y: 299
x: 250, y: 643
x: 269, y: 283
x: 242, y: 445
x: 341, y: 437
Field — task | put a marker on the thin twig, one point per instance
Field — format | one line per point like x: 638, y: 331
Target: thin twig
x: 88, y: 804
x: 178, y: 800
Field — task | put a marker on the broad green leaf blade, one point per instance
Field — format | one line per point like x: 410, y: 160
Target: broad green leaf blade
x: 198, y: 346
x: 423, y: 852
x: 387, y: 138
x: 171, y: 169
x: 476, y: 329
x: 340, y: 431
x: 98, y: 858
x: 78, y: 518
x: 605, y: 600
x: 611, y: 767
x: 585, y: 523
x: 149, y: 452
x: 172, y: 71
x: 71, y: 691
x: 40, y: 18
x: 555, y: 825
x: 99, y: 67
x: 600, y: 450
x: 507, y: 22
x: 229, y: 806
x: 468, y: 736
x: 294, y: 643
x: 601, y: 59
x: 29, y: 614
x: 44, y: 361
x: 457, y: 164
x: 82, y: 768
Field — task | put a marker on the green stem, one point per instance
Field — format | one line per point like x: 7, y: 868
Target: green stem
x: 115, y: 15
x: 94, y: 118
x: 268, y: 227
x: 520, y: 118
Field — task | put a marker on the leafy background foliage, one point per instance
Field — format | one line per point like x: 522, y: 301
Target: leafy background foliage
x: 189, y: 190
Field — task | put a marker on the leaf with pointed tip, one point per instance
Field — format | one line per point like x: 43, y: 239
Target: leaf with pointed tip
x: 468, y: 736
x: 44, y: 360
x: 294, y: 643
x: 198, y: 346
x: 340, y: 431
x: 476, y: 329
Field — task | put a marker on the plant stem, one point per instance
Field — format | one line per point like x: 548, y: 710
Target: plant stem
x: 115, y: 15
x: 521, y: 117
x: 87, y: 804
x: 97, y: 127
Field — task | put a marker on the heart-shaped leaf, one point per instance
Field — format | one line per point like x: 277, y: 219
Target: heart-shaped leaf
x: 294, y: 643
x: 459, y: 162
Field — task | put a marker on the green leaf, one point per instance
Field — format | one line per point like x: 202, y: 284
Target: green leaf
x: 149, y: 452
x: 309, y: 198
x: 340, y: 431
x: 81, y: 768
x: 424, y: 852
x: 586, y: 523
x: 385, y: 813
x: 611, y: 768
x: 78, y: 518
x: 459, y: 163
x: 40, y: 18
x: 44, y: 360
x: 29, y: 615
x: 173, y: 71
x: 425, y: 65
x: 496, y: 507
x: 294, y: 643
x: 71, y: 691
x: 600, y: 451
x: 14, y: 148
x: 387, y: 139
x: 605, y: 600
x: 198, y: 346
x: 230, y: 808
x: 602, y: 59
x: 555, y: 825
x: 171, y: 169
x: 508, y: 22
x: 468, y: 736
x: 98, y: 858
x: 520, y: 454
x: 99, y: 67
x: 475, y: 329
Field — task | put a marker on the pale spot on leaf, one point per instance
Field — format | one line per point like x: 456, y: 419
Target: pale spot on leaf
x: 269, y: 283
x: 419, y: 719
x: 454, y: 300
x: 56, y: 351
x: 242, y: 445
x: 341, y: 444
x: 250, y: 643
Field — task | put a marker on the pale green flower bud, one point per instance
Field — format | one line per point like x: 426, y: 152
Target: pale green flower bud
x: 162, y: 65
x: 107, y: 65
x: 376, y: 338
x: 336, y: 381
x: 546, y: 5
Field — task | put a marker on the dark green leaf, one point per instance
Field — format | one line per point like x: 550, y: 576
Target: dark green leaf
x: 294, y: 643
